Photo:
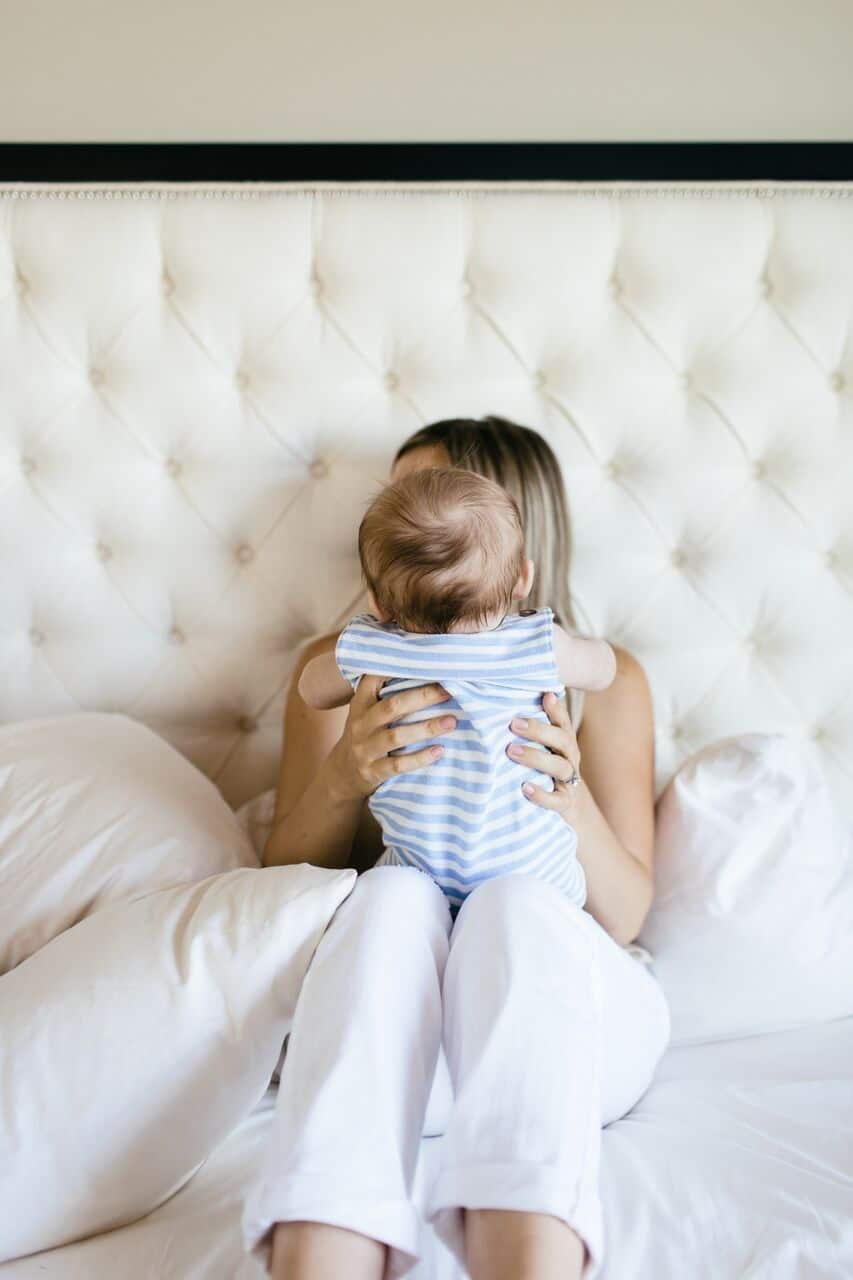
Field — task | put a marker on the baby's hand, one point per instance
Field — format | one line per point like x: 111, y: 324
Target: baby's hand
x: 584, y: 663
x: 321, y: 684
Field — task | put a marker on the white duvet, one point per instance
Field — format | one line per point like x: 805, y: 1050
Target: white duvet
x: 737, y: 1164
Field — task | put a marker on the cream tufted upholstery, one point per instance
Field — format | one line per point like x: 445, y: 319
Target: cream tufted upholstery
x: 199, y: 387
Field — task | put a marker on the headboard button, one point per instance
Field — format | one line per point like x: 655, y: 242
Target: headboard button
x: 28, y: 466
x: 392, y: 380
x: 837, y: 381
x: 177, y: 636
x: 103, y: 552
x: 247, y: 724
x: 37, y: 637
x: 245, y: 554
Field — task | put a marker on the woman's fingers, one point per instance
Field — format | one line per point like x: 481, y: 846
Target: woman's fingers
x: 389, y: 765
x: 403, y: 735
x: 368, y: 739
x: 552, y: 737
x: 376, y: 734
x: 402, y: 704
x: 545, y: 799
x: 557, y: 710
x: 556, y: 766
x: 367, y: 692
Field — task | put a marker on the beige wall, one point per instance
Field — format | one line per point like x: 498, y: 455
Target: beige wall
x: 453, y: 70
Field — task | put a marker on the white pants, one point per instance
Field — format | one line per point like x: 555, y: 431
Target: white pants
x: 550, y: 1030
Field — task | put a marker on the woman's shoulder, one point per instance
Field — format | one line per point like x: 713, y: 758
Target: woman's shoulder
x: 628, y: 698
x: 323, y: 642
x: 629, y: 668
x: 326, y: 641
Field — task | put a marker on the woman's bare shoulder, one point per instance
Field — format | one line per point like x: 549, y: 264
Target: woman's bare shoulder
x: 627, y: 701
x: 317, y: 645
x: 629, y: 671
x: 617, y: 747
x: 309, y: 735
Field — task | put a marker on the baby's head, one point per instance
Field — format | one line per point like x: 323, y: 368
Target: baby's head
x: 443, y: 550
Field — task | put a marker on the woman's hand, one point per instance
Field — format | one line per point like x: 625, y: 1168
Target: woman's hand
x: 362, y: 758
x: 561, y: 761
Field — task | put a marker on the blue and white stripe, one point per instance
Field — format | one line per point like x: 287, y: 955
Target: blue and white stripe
x: 464, y: 819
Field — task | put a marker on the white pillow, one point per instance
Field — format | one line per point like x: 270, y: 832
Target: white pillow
x: 94, y: 809
x: 750, y: 928
x: 256, y: 818
x: 134, y: 1042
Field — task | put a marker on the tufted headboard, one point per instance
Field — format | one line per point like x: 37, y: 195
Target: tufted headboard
x: 201, y: 384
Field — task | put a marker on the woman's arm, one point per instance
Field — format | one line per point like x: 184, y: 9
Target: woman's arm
x: 612, y: 809
x: 333, y: 760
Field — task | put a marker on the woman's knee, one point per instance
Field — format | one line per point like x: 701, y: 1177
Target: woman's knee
x: 403, y: 895
x: 529, y: 920
x: 502, y: 900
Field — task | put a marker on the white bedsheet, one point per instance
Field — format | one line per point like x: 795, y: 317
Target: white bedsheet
x: 737, y: 1163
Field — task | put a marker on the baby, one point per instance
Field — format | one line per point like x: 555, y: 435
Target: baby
x: 442, y: 552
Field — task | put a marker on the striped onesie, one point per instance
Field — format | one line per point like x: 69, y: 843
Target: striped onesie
x: 464, y: 819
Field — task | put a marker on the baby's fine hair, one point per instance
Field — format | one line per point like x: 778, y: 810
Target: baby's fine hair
x: 442, y: 546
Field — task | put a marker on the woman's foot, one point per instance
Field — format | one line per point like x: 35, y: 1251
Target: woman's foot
x: 505, y: 1244
x: 317, y: 1251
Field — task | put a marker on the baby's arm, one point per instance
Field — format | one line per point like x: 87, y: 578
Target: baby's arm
x: 321, y: 684
x: 584, y: 663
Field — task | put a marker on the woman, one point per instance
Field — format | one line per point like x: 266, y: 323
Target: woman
x: 551, y: 1027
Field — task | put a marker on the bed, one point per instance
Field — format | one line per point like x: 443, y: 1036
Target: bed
x: 736, y: 1163
x: 202, y: 383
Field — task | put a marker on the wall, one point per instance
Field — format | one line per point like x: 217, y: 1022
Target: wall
x: 385, y: 70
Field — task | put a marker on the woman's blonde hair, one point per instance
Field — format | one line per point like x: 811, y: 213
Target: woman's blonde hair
x: 519, y: 460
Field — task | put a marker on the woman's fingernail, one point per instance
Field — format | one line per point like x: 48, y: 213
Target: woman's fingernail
x: 515, y: 749
x: 528, y: 788
x: 436, y: 752
x: 449, y: 722
x: 518, y: 724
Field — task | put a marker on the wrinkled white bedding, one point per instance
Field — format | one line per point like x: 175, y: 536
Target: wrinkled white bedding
x: 737, y: 1164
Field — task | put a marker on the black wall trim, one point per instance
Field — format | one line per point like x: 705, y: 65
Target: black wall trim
x: 425, y: 161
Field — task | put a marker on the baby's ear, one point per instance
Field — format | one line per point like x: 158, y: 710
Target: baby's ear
x: 524, y: 586
x: 379, y: 614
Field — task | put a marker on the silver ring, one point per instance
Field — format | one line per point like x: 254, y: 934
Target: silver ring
x: 574, y: 780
